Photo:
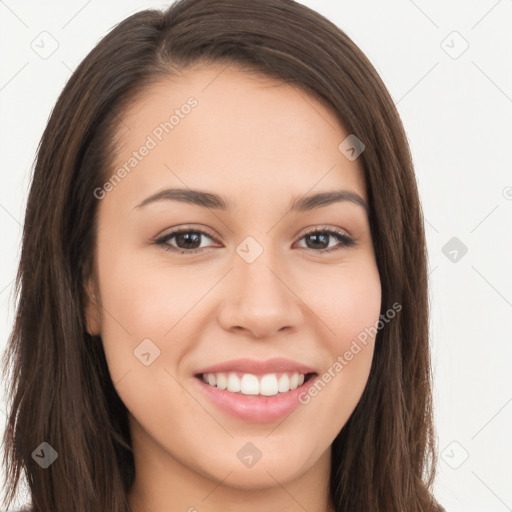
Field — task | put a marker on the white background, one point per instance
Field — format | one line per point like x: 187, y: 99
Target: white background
x: 457, y: 113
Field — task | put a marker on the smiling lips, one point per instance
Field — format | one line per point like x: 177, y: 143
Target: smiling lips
x: 256, y: 391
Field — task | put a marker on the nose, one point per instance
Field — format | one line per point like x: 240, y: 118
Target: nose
x: 259, y: 299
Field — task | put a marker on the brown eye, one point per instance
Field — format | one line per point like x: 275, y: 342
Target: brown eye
x: 186, y: 240
x: 319, y: 240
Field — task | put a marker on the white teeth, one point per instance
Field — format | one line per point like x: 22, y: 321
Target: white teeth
x: 268, y: 385
x: 284, y: 383
x: 249, y: 384
x: 222, y: 381
x: 233, y: 383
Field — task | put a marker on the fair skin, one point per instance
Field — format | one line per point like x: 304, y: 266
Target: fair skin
x: 259, y: 144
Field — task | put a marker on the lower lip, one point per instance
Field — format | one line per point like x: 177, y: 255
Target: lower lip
x: 255, y: 408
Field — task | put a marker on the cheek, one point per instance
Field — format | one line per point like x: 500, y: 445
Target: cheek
x: 350, y: 307
x: 144, y: 301
x: 146, y: 317
x: 146, y: 297
x: 348, y: 301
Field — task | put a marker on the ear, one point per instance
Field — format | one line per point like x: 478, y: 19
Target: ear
x: 92, y: 309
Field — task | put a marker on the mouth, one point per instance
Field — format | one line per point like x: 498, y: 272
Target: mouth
x: 269, y: 384
x: 255, y: 391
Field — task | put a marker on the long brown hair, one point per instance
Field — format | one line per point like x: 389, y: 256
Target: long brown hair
x: 60, y: 390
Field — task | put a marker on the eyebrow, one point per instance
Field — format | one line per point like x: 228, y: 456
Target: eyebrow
x: 218, y: 202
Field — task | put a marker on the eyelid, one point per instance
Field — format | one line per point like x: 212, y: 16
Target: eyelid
x: 325, y: 228
x: 185, y: 228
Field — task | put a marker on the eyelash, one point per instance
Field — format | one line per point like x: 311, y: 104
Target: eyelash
x: 344, y: 239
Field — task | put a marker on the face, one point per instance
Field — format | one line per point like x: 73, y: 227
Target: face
x: 260, y: 299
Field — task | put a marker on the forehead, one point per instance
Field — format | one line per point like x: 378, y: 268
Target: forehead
x: 222, y: 128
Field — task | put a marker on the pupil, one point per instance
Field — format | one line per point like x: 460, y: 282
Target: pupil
x: 316, y: 239
x: 186, y: 237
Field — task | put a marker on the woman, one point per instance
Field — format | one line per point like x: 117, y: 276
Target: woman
x: 223, y: 288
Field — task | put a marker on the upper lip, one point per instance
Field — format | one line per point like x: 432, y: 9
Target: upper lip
x: 274, y: 365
